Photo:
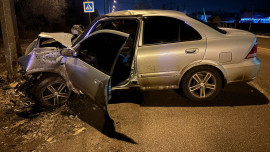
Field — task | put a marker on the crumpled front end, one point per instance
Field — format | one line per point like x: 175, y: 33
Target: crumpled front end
x: 38, y: 63
x: 41, y: 61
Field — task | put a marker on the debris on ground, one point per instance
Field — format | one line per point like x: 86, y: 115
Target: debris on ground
x: 51, y: 139
x: 23, y: 125
x: 13, y: 84
x: 77, y: 131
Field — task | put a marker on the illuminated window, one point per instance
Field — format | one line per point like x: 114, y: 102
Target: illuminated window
x: 255, y: 20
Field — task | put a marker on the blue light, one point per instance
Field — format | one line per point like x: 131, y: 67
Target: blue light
x: 30, y: 62
x: 255, y: 20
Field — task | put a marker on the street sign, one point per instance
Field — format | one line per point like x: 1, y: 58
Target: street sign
x: 88, y: 7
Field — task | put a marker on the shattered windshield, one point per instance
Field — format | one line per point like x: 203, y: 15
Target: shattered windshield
x: 49, y: 42
x: 80, y: 37
x: 86, y: 32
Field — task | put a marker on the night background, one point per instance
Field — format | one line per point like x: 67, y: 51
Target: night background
x: 58, y: 16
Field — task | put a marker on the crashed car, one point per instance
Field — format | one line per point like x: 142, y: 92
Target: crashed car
x: 145, y: 49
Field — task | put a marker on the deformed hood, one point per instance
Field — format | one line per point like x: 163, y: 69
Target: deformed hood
x: 63, y: 38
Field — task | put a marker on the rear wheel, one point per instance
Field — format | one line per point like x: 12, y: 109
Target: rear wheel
x: 51, y: 91
x: 202, y: 83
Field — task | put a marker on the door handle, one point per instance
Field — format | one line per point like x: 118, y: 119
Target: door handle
x: 97, y: 82
x: 190, y: 51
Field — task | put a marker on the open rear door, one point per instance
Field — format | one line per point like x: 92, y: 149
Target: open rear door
x: 91, y: 70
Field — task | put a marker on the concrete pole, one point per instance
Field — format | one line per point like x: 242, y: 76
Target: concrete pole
x: 10, y: 36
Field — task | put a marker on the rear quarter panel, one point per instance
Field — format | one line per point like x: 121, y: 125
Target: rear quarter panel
x: 233, y: 46
x: 238, y: 45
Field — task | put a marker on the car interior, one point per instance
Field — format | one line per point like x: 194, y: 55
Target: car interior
x: 106, y: 48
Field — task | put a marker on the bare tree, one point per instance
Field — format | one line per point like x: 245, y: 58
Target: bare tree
x: 43, y: 15
x: 52, y: 10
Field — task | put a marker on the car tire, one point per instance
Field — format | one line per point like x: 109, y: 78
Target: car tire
x: 51, y: 91
x: 201, y: 84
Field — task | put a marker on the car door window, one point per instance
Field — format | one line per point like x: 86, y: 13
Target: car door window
x: 101, y: 50
x: 126, y: 25
x: 160, y: 29
x: 129, y: 26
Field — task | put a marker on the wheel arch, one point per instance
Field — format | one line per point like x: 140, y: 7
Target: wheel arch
x: 211, y: 64
x: 51, y: 79
x: 39, y: 75
x: 49, y: 73
x: 60, y: 71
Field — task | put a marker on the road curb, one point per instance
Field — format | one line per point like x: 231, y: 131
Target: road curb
x: 262, y: 36
x: 263, y: 48
x: 258, y: 87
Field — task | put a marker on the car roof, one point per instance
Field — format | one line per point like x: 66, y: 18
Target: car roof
x: 147, y: 13
x: 200, y: 27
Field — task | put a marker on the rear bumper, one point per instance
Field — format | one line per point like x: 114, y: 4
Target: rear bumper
x: 244, y: 71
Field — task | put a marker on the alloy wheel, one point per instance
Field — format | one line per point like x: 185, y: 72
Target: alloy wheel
x: 202, y: 84
x: 56, y: 93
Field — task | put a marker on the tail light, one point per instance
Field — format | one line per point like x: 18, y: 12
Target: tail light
x: 253, y: 52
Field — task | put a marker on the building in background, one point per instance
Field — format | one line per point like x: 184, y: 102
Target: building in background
x: 256, y: 16
x: 215, y: 20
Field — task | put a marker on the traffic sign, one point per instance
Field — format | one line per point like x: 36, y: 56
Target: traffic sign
x: 88, y: 7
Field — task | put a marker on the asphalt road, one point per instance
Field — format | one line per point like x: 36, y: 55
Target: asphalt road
x: 238, y: 120
x: 263, y: 79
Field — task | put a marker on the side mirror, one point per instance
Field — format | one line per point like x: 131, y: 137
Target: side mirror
x: 68, y: 52
x: 77, y: 29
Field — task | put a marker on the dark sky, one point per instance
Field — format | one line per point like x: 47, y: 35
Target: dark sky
x: 191, y: 5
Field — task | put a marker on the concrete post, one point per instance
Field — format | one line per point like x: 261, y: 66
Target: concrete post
x: 10, y: 36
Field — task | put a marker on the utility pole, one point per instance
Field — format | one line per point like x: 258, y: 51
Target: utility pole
x: 10, y: 36
x: 89, y: 16
x: 109, y: 8
x: 105, y: 8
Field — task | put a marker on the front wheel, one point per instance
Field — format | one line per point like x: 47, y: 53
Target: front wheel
x: 51, y: 91
x: 202, y: 83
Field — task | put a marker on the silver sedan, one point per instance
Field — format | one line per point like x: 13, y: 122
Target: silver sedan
x: 145, y: 49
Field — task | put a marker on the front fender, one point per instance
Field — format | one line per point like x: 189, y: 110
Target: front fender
x: 45, y: 62
x: 42, y: 61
